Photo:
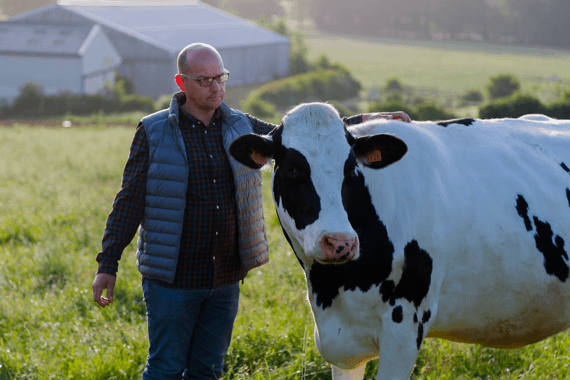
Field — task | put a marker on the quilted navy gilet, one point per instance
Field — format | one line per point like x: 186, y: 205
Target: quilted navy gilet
x: 167, y: 180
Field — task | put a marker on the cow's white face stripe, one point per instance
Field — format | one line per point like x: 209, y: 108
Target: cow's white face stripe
x: 320, y: 138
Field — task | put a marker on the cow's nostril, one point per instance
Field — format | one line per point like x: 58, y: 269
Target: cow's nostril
x: 338, y: 247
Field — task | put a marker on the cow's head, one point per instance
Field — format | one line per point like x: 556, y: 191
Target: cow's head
x: 315, y: 160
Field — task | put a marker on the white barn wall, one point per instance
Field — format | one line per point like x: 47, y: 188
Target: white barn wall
x: 99, y: 61
x: 56, y: 74
x: 98, y: 53
x: 95, y: 82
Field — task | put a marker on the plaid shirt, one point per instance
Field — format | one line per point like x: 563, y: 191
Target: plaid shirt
x: 208, y: 255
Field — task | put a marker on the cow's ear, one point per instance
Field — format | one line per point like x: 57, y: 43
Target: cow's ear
x: 379, y: 151
x: 252, y: 150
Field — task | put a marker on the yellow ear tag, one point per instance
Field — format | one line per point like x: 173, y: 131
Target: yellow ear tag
x: 258, y: 158
x: 374, y: 156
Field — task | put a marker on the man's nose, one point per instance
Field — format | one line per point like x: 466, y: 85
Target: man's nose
x: 215, y: 86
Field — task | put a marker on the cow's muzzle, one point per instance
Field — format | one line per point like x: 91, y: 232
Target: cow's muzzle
x: 338, y: 248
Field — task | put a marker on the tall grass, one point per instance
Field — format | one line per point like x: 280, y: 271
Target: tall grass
x: 56, y: 189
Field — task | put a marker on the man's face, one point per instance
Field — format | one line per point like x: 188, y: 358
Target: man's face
x: 204, y: 64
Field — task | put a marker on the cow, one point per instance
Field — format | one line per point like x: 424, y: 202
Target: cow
x: 453, y: 229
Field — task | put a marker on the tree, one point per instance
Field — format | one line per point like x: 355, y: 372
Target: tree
x: 503, y: 85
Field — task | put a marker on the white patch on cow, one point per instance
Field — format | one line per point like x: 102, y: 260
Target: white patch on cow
x: 455, y: 193
x: 536, y: 117
x: 317, y: 131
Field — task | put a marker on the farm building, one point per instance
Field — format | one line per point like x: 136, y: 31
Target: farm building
x: 149, y: 35
x: 61, y: 58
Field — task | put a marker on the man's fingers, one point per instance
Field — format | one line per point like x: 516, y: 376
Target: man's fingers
x: 103, y: 281
x: 97, y: 290
x: 110, y: 291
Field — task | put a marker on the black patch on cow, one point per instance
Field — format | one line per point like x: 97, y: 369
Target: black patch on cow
x: 416, y: 277
x: 420, y: 335
x: 398, y: 314
x: 553, y: 251
x: 299, y: 197
x: 567, y: 170
x: 387, y: 289
x: 466, y: 122
x: 349, y: 137
x: 551, y: 247
x: 376, y: 249
x: 416, y: 317
x: 522, y: 209
x: 291, y: 245
x: 427, y: 316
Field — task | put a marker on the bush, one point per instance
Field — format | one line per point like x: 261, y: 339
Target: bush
x: 323, y: 85
x: 393, y: 85
x: 32, y: 102
x: 514, y: 107
x: 343, y: 110
x: 258, y: 107
x: 472, y: 96
x: 430, y: 111
x: 560, y: 110
x: 393, y: 105
x: 163, y: 102
x: 426, y: 110
x: 503, y: 85
x: 136, y: 103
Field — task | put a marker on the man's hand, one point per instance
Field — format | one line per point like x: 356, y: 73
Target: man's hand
x: 103, y: 281
x: 386, y: 115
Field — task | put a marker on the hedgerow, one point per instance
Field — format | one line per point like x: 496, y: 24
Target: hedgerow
x: 335, y: 83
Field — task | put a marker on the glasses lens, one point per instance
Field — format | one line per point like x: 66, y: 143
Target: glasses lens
x: 223, y: 78
x: 206, y: 82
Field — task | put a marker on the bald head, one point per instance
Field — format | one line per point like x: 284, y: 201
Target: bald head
x: 197, y: 54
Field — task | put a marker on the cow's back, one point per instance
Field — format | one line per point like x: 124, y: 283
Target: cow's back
x: 490, y: 202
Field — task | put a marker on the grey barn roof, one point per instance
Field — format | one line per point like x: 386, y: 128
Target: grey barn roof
x: 171, y: 24
x: 43, y: 39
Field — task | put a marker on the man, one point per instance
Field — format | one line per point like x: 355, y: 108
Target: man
x: 201, y: 221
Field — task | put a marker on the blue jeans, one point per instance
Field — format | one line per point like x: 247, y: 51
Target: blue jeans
x: 189, y: 331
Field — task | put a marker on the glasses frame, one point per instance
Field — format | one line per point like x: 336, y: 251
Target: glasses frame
x: 203, y: 82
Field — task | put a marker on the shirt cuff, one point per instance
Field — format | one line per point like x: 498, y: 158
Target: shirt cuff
x: 357, y: 119
x: 109, y: 267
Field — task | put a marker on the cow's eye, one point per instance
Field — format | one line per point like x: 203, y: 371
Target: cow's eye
x: 350, y: 172
x: 291, y: 170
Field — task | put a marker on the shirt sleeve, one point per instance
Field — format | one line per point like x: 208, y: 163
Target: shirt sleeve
x: 357, y: 119
x: 260, y: 127
x: 128, y: 206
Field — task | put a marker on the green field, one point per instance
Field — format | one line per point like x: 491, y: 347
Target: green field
x: 448, y: 67
x: 56, y: 189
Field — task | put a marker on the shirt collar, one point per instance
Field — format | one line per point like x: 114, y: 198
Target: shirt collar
x: 181, y: 97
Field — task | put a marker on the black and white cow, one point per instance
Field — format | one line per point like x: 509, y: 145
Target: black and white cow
x: 454, y: 230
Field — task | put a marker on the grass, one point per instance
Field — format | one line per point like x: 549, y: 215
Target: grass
x: 443, y: 68
x: 56, y: 189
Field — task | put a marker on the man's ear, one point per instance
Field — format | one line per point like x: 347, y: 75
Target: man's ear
x: 252, y: 150
x: 379, y: 151
x: 179, y: 82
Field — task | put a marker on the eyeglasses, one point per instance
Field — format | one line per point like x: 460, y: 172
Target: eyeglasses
x: 207, y: 81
